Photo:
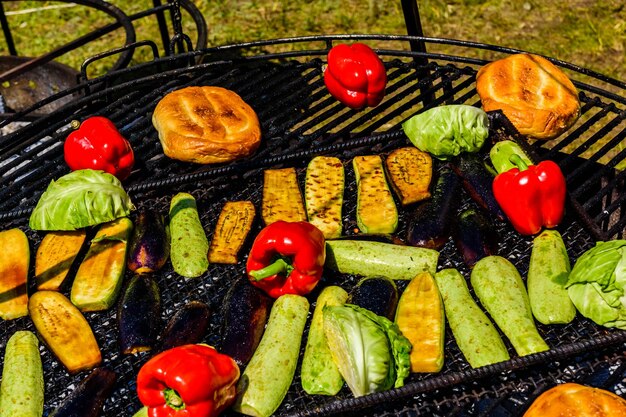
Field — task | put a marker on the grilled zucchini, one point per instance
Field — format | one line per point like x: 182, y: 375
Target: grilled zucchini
x: 376, y: 211
x: 14, y: 264
x: 231, y: 230
x: 282, y: 199
x: 55, y: 256
x: 410, y: 173
x: 323, y: 194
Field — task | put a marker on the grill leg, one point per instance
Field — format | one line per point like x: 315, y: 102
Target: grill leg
x: 7, y: 32
x: 414, y: 28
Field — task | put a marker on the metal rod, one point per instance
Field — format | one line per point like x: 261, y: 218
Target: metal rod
x: 165, y: 35
x: 7, y: 31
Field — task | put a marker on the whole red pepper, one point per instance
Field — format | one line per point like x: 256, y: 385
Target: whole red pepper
x: 188, y: 381
x: 532, y: 196
x: 355, y: 75
x: 287, y: 258
x: 97, y: 144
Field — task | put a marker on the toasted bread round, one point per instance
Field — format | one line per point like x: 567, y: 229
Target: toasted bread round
x: 575, y: 400
x: 206, y: 125
x: 536, y: 96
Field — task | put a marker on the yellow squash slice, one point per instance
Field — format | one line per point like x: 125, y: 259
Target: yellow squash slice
x: 55, y: 256
x: 282, y: 199
x: 14, y: 264
x: 376, y: 212
x: 410, y: 173
x: 231, y: 230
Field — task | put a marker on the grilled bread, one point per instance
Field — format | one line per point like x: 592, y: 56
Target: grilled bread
x: 536, y: 96
x: 574, y: 400
x: 206, y: 125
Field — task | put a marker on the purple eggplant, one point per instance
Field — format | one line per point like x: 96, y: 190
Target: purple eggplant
x: 430, y: 222
x: 475, y: 237
x: 477, y: 181
x: 246, y: 310
x: 139, y: 315
x: 188, y: 325
x: 376, y: 294
x: 89, y: 396
x: 149, y: 246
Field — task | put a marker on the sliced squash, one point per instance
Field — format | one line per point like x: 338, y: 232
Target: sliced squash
x: 376, y: 212
x: 14, y: 264
x: 64, y: 330
x: 55, y: 256
x: 282, y: 199
x: 99, y: 277
x: 410, y: 173
x: 232, y: 228
x: 421, y: 319
x: 323, y: 194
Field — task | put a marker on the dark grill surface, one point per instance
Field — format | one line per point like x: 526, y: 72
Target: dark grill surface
x: 299, y: 120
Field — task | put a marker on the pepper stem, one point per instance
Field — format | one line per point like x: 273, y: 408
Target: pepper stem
x: 173, y: 400
x: 279, y: 266
x: 518, y: 162
x: 75, y: 124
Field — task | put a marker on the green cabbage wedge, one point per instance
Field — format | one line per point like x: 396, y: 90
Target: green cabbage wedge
x: 80, y: 199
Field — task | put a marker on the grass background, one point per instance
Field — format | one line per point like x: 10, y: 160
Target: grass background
x: 587, y: 33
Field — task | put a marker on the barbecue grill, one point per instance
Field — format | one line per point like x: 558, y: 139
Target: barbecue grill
x: 282, y: 80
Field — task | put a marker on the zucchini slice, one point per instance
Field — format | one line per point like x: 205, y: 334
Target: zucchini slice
x: 323, y: 194
x: 14, y: 264
x: 376, y: 212
x: 282, y: 199
x: 232, y: 228
x: 410, y: 173
x: 55, y: 256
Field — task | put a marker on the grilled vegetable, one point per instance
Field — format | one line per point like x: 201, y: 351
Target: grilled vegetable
x: 376, y: 211
x: 323, y: 194
x: 547, y: 275
x: 266, y: 380
x: 475, y: 237
x: 187, y: 326
x: 246, y: 309
x: 282, y: 199
x: 319, y: 374
x: 410, y: 172
x: 150, y: 243
x: 477, y: 181
x: 14, y: 265
x: 500, y: 289
x: 92, y: 197
x: 369, y: 350
x: 22, y: 389
x: 420, y: 317
x: 139, y: 315
x: 476, y: 336
x: 232, y: 228
x: 89, y: 396
x: 430, y: 222
x: 189, y: 246
x: 376, y: 294
x: 64, y: 330
x: 379, y: 259
x: 99, y: 277
x: 55, y: 255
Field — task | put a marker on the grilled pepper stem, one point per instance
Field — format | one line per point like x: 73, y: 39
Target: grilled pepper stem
x: 280, y: 266
x: 518, y: 162
x: 173, y: 400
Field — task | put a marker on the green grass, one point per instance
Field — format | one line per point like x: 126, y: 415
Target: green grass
x: 588, y: 33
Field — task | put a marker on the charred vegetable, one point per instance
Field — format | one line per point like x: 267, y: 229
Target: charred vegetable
x: 55, y: 256
x: 14, y: 265
x: 282, y: 199
x: 64, y: 330
x: 89, y: 396
x: 139, y: 315
x: 475, y: 237
x: 376, y: 211
x: 99, y: 278
x: 232, y: 228
x: 430, y: 222
x: 410, y: 172
x: 150, y: 243
x: 376, y: 294
x: 477, y: 181
x: 246, y: 310
x: 187, y: 326
x: 323, y: 194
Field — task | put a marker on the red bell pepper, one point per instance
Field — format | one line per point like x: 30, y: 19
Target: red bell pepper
x: 355, y: 75
x: 97, y: 144
x: 532, y: 196
x: 188, y: 381
x: 287, y: 258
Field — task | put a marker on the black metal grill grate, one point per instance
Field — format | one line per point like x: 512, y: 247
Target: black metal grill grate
x: 299, y: 120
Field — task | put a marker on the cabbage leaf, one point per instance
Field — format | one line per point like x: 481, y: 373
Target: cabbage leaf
x: 80, y: 199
